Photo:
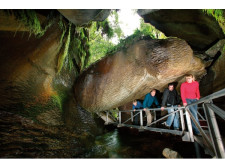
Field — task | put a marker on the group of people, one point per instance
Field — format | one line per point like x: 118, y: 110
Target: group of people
x: 189, y: 94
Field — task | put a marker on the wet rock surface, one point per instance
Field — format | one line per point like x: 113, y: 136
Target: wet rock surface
x: 23, y: 138
x: 27, y: 70
x: 131, y: 73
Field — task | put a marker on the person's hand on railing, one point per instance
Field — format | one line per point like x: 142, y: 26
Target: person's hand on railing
x: 185, y: 104
x: 144, y: 109
x: 162, y: 108
x: 134, y: 110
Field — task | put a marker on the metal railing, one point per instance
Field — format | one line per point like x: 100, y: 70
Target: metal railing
x: 154, y: 111
x: 213, y: 142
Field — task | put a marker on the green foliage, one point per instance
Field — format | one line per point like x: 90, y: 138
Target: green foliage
x: 80, y: 47
x: 223, y: 49
x: 110, y: 29
x: 106, y: 28
x: 99, y: 45
x: 74, y: 40
x: 59, y: 99
x: 149, y: 30
x: 75, y: 52
x: 29, y: 18
x: 124, y: 43
x: 115, y: 25
x: 146, y: 31
x: 65, y: 52
x: 218, y: 14
x: 114, y: 112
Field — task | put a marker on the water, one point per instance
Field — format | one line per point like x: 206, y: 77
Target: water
x: 22, y: 138
x: 131, y: 144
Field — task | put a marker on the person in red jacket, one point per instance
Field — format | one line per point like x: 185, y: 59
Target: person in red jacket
x: 189, y: 91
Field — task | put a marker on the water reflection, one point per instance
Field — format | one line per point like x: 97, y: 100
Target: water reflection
x: 123, y: 144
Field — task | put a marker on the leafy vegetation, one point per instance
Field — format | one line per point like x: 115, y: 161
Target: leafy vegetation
x: 146, y: 31
x: 101, y: 45
x: 66, y: 48
x: 29, y: 18
x: 75, y: 47
x: 218, y: 14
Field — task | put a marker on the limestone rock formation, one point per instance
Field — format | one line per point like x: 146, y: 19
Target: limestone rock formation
x: 84, y: 16
x: 131, y: 73
x: 200, y: 30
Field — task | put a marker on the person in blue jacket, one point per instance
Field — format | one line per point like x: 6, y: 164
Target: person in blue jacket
x: 150, y: 98
x: 136, y: 105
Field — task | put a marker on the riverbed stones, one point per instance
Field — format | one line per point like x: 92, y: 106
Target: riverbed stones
x: 170, y: 154
x: 131, y: 73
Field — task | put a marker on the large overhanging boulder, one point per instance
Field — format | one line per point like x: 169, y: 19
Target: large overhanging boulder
x: 131, y: 73
x: 200, y: 30
x: 84, y: 16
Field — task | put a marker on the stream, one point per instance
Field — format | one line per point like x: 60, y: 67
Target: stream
x: 125, y: 143
x: 22, y: 138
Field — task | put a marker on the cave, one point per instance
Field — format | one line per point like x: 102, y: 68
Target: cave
x: 53, y: 99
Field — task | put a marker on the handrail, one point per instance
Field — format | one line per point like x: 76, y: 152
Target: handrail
x: 130, y: 118
x: 156, y: 109
x: 209, y: 97
x: 163, y: 117
x: 214, y: 143
x: 200, y: 130
x: 110, y: 114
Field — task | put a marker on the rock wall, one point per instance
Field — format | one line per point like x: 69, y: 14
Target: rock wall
x: 84, y: 16
x: 215, y: 78
x: 27, y: 67
x: 31, y: 85
x: 131, y: 73
x: 38, y: 114
x: 200, y: 30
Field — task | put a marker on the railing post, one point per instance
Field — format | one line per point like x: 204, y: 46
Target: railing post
x: 182, y: 120
x: 197, y: 150
x: 154, y: 115
x: 141, y: 119
x: 132, y: 116
x: 189, y: 126
x: 107, y: 118
x: 214, y: 132
x: 119, y: 118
